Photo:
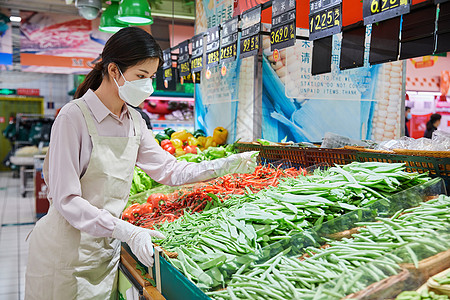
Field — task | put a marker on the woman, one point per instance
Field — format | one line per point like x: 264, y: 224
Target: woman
x: 95, y: 143
x: 432, y: 125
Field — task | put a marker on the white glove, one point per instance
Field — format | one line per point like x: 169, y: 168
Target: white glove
x: 139, y: 239
x: 237, y: 163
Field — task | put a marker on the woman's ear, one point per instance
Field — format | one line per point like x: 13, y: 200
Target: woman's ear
x: 113, y: 71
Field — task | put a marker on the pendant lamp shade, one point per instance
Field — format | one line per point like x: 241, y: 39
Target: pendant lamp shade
x: 108, y: 22
x: 134, y: 12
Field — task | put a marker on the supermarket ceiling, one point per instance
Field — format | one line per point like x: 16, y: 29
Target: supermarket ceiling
x: 183, y: 9
x: 56, y: 6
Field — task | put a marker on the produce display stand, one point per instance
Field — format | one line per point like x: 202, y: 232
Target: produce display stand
x: 175, y: 285
x: 144, y: 287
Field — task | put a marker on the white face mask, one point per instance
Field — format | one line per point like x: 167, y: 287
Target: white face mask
x: 136, y: 91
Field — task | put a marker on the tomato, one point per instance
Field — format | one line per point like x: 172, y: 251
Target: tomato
x: 157, y: 199
x: 146, y: 208
x: 190, y: 149
x: 166, y: 142
x: 169, y: 148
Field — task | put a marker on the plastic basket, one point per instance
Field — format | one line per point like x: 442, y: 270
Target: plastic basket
x: 315, y: 156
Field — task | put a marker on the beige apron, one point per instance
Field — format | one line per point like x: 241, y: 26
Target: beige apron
x: 65, y: 263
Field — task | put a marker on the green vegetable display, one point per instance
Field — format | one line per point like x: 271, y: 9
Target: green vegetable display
x: 421, y: 296
x: 351, y: 264
x: 161, y: 137
x: 141, y: 182
x: 213, y: 245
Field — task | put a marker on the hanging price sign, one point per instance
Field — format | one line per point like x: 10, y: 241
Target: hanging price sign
x: 282, y: 33
x: 380, y: 10
x: 325, y: 18
x: 197, y: 53
x: 228, y: 40
x: 184, y: 58
x: 212, y: 46
x: 251, y: 27
x: 167, y: 66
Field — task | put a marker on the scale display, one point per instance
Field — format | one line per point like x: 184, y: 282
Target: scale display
x: 212, y: 46
x: 228, y: 40
x: 325, y: 18
x: 380, y: 10
x: 197, y: 53
x: 251, y: 27
x: 167, y: 66
x: 282, y: 33
x: 184, y: 58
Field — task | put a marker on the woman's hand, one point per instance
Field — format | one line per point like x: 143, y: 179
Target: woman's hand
x: 139, y: 239
x: 237, y: 163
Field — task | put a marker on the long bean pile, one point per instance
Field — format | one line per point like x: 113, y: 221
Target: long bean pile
x: 212, y: 245
x: 369, y: 256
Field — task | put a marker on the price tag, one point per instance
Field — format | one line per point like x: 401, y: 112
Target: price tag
x: 283, y: 36
x: 228, y: 40
x: 380, y: 10
x: 325, y: 22
x: 282, y: 33
x: 212, y: 46
x: 184, y: 58
x: 167, y: 66
x: 197, y: 53
x: 251, y: 27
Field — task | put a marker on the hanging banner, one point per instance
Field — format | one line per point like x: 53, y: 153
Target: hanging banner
x: 55, y: 43
x: 6, y: 57
x: 361, y: 103
x: 251, y: 27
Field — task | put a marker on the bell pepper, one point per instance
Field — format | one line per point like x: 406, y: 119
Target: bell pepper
x: 166, y: 142
x: 190, y: 149
x: 181, y: 135
x: 169, y: 148
x: 169, y: 131
x: 179, y: 152
x: 201, y: 141
x: 146, y: 208
x: 161, y: 137
x: 215, y: 152
x: 220, y: 135
x: 131, y: 212
x: 198, y: 133
x: 209, y: 141
x: 177, y: 143
x: 192, y: 141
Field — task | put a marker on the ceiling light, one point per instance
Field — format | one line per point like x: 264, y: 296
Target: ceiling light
x: 134, y: 12
x: 108, y: 23
x: 15, y: 19
x: 89, y: 9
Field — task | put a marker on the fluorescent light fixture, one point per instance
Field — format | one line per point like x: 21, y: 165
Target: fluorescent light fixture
x: 15, y: 19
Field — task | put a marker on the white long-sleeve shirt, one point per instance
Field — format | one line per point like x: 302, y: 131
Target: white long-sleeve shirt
x: 70, y: 152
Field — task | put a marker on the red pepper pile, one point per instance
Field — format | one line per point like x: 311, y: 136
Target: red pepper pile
x: 160, y: 208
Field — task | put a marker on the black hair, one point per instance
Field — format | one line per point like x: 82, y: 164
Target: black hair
x: 407, y: 108
x: 433, y: 119
x: 126, y: 48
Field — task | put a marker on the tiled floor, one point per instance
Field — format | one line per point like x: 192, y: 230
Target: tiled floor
x: 16, y: 219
